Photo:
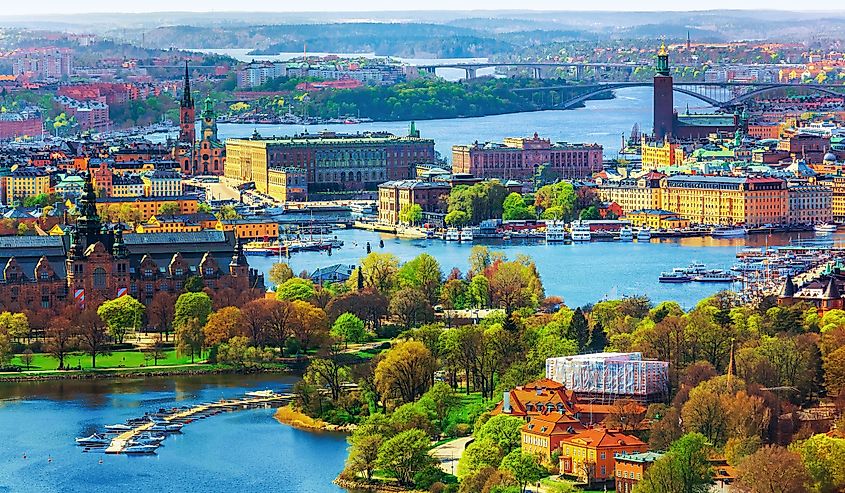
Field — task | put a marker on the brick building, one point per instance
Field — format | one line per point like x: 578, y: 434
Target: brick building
x: 94, y: 263
x: 519, y: 158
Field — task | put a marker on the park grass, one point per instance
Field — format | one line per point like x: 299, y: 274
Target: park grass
x: 117, y: 359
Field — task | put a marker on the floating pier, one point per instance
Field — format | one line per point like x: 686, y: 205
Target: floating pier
x: 251, y: 400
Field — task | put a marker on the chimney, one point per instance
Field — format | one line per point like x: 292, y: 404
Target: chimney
x: 506, y: 403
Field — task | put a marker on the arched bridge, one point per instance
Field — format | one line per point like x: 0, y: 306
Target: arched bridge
x: 720, y: 94
x: 537, y: 68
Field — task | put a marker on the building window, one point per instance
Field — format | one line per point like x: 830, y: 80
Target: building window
x: 99, y: 278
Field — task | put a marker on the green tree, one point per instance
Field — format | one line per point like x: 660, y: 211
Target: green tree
x: 192, y: 306
x: 169, y: 208
x: 347, y: 328
x: 456, y: 218
x: 405, y: 454
x: 579, y: 329
x: 515, y: 208
x: 478, y: 455
x: 410, y: 214
x: 194, y: 284
x: 525, y: 468
x: 121, y: 315
x: 441, y: 400
x: 279, y: 273
x: 379, y: 271
x: 411, y: 307
x: 478, y: 293
x: 683, y: 469
x: 405, y: 372
x: 363, y: 454
x: 503, y: 430
x: 824, y: 457
x: 190, y: 338
x: 296, y: 289
x: 422, y: 273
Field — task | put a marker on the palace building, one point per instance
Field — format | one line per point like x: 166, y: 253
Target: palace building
x: 94, y: 262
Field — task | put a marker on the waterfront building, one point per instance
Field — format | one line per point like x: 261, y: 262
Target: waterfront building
x: 519, y: 158
x: 726, y: 200
x: 93, y: 263
x: 632, y: 194
x: 542, y: 435
x: 810, y: 204
x: 332, y: 161
x: 431, y: 195
x: 630, y: 469
x: 656, y: 219
x: 162, y: 183
x: 177, y: 223
x: 149, y: 206
x: 591, y: 454
x: 287, y: 184
x: 252, y: 228
x: 23, y: 182
x: 660, y: 153
x: 611, y: 376
x: 837, y: 186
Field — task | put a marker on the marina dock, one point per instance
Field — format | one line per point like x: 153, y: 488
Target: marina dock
x: 252, y: 400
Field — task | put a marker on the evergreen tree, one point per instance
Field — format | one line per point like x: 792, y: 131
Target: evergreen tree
x: 579, y: 329
x: 598, y: 339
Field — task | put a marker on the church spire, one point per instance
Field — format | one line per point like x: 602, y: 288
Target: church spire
x: 187, y: 99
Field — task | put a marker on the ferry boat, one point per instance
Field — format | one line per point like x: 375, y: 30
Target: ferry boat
x: 452, y: 234
x: 714, y: 276
x: 466, y: 235
x: 555, y: 232
x: 693, y: 268
x: 625, y: 234
x: 644, y: 234
x: 362, y: 208
x: 825, y: 228
x: 580, y: 231
x: 674, y: 277
x: 725, y: 232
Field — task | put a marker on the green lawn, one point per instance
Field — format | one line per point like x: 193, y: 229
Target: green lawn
x: 117, y: 359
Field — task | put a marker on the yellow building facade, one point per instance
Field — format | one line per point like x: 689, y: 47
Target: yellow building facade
x: 656, y: 219
x: 250, y: 228
x: 658, y: 154
x: 838, y: 199
x: 25, y: 182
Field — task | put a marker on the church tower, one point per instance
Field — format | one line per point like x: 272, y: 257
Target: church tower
x: 187, y: 115
x: 664, y: 105
x: 209, y: 121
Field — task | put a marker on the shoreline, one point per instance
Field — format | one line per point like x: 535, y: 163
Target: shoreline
x: 131, y: 373
x: 287, y: 415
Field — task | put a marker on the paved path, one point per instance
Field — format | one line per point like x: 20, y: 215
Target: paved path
x: 449, y: 453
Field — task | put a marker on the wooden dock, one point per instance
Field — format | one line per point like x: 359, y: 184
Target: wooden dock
x: 120, y: 442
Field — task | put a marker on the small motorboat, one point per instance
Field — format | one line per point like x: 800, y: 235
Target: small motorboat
x: 93, y: 440
x: 166, y: 427
x: 138, y: 448
x: 148, y: 439
x: 825, y: 228
x: 118, y: 427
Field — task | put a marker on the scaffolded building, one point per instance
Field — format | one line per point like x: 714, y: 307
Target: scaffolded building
x: 607, y: 377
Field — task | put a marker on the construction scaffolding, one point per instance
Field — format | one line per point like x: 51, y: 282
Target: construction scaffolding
x: 605, y: 377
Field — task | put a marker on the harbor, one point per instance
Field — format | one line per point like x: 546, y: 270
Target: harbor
x: 145, y: 434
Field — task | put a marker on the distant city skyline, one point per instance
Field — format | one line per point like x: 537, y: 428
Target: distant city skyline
x: 100, y: 6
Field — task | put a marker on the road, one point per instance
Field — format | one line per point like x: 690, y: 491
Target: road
x: 449, y: 453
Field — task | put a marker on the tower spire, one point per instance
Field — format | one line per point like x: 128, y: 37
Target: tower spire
x: 187, y: 99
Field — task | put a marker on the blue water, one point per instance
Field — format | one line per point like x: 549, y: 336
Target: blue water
x: 237, y: 451
x: 579, y: 273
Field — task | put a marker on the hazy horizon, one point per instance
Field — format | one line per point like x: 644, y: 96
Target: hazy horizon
x: 83, y: 7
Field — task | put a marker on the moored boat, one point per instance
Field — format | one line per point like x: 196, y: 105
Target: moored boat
x: 674, y: 277
x: 825, y: 228
x: 714, y: 276
x: 452, y: 234
x: 555, y: 232
x: 466, y: 235
x: 725, y: 232
x: 94, y: 440
x: 626, y: 234
x: 580, y: 231
x: 644, y: 234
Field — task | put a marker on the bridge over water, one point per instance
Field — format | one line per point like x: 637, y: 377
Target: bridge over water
x: 719, y: 94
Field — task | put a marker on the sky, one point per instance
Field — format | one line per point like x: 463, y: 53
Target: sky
x: 11, y: 7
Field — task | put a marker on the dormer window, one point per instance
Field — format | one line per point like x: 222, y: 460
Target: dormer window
x: 177, y: 271
x: 44, y: 275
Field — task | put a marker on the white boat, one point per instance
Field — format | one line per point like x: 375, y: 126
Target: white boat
x: 694, y: 268
x: 261, y: 393
x: 644, y: 234
x: 673, y: 277
x: 118, y: 427
x: 93, y: 440
x: 148, y: 439
x: 580, y: 231
x: 726, y: 232
x: 825, y: 228
x: 466, y: 235
x: 714, y: 276
x: 555, y: 232
x: 139, y: 448
x: 625, y: 234
x: 363, y: 208
x: 452, y: 234
x: 166, y: 427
